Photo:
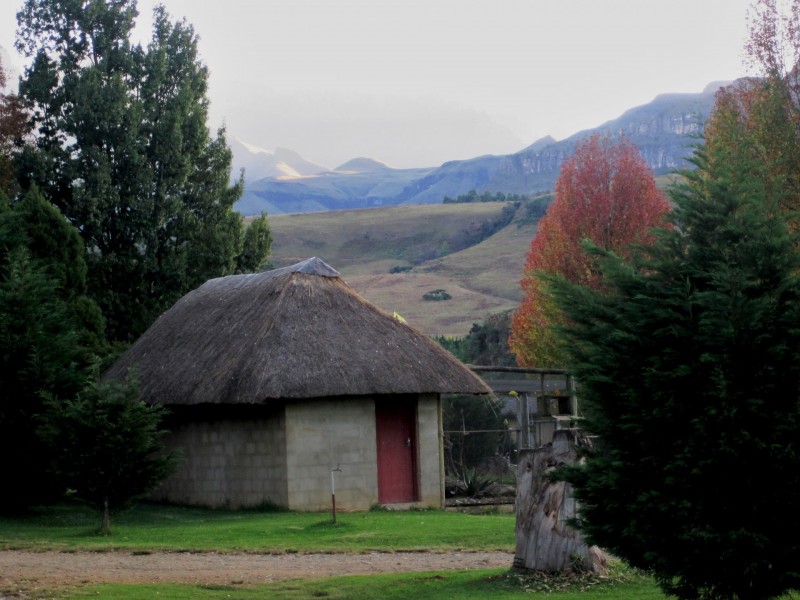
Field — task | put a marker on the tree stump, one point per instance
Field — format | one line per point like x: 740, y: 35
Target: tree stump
x: 545, y: 541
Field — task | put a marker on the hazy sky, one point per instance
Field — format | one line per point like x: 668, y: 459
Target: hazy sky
x: 419, y: 82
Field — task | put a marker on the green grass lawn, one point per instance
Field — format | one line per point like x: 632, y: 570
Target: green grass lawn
x: 152, y: 527
x: 477, y: 584
x: 158, y: 527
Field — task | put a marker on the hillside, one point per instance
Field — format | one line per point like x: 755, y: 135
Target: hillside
x: 442, y: 246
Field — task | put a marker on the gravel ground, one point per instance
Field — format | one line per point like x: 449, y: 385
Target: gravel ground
x: 20, y: 571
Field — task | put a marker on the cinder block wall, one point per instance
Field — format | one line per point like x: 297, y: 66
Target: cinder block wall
x: 325, y: 434
x: 228, y: 463
x: 285, y: 457
x: 430, y: 459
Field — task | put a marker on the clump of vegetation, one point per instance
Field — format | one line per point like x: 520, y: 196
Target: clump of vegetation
x: 476, y: 485
x: 533, y: 210
x: 400, y: 269
x: 474, y: 196
x: 485, y: 344
x: 575, y: 581
x: 436, y: 295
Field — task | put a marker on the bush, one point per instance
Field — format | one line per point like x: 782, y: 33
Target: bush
x: 436, y: 295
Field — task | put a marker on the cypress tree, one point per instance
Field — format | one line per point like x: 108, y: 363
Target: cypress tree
x: 689, y: 361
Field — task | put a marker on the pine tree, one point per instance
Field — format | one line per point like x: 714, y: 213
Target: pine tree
x: 107, y: 446
x: 689, y: 364
x: 39, y: 353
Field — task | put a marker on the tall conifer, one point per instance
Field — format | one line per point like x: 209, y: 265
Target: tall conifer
x: 689, y: 363
x: 123, y: 149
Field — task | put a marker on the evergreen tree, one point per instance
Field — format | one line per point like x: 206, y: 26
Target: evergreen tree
x: 124, y: 151
x: 107, y: 446
x: 689, y: 364
x: 50, y: 333
x: 256, y: 247
x: 55, y: 245
x: 39, y: 353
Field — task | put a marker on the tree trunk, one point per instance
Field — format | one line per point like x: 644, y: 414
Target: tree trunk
x: 545, y: 542
x: 105, y: 526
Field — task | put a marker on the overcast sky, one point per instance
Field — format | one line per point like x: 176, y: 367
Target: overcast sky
x: 419, y: 82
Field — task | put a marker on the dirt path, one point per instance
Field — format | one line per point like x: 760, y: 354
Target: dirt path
x: 18, y: 568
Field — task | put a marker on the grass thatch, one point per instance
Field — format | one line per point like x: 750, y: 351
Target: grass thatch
x: 297, y: 332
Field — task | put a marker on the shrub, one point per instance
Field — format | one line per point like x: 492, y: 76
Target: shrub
x: 436, y: 295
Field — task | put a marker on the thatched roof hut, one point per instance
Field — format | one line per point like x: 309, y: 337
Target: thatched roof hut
x: 275, y: 379
x: 292, y: 333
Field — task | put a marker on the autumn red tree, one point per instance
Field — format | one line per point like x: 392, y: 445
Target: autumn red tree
x: 605, y: 193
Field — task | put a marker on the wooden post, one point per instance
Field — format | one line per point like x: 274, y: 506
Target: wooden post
x: 333, y: 492
x: 573, y: 395
x: 524, y: 439
x: 545, y: 541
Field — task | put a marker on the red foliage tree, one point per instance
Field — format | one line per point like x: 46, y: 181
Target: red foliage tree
x: 606, y: 193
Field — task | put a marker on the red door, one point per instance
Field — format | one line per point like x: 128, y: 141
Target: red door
x: 395, y: 424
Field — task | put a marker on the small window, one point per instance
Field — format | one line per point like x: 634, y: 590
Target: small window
x: 559, y: 405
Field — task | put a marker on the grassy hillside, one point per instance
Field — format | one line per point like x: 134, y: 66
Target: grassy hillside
x: 404, y: 293
x: 443, y: 246
x: 492, y: 267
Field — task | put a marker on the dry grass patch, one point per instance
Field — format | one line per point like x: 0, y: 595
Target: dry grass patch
x: 403, y: 293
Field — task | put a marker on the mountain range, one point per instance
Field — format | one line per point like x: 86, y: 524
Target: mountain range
x: 284, y: 182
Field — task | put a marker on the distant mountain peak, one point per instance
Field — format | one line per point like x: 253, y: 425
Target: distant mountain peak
x: 251, y: 147
x: 362, y: 165
x: 259, y: 162
x: 540, y: 143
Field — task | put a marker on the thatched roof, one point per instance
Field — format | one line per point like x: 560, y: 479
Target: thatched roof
x: 296, y: 332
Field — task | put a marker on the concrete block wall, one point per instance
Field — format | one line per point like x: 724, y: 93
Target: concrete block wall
x: 285, y: 456
x: 325, y: 434
x: 430, y: 458
x: 228, y: 463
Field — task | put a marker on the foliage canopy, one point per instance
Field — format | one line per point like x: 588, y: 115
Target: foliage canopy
x: 123, y: 150
x: 606, y: 193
